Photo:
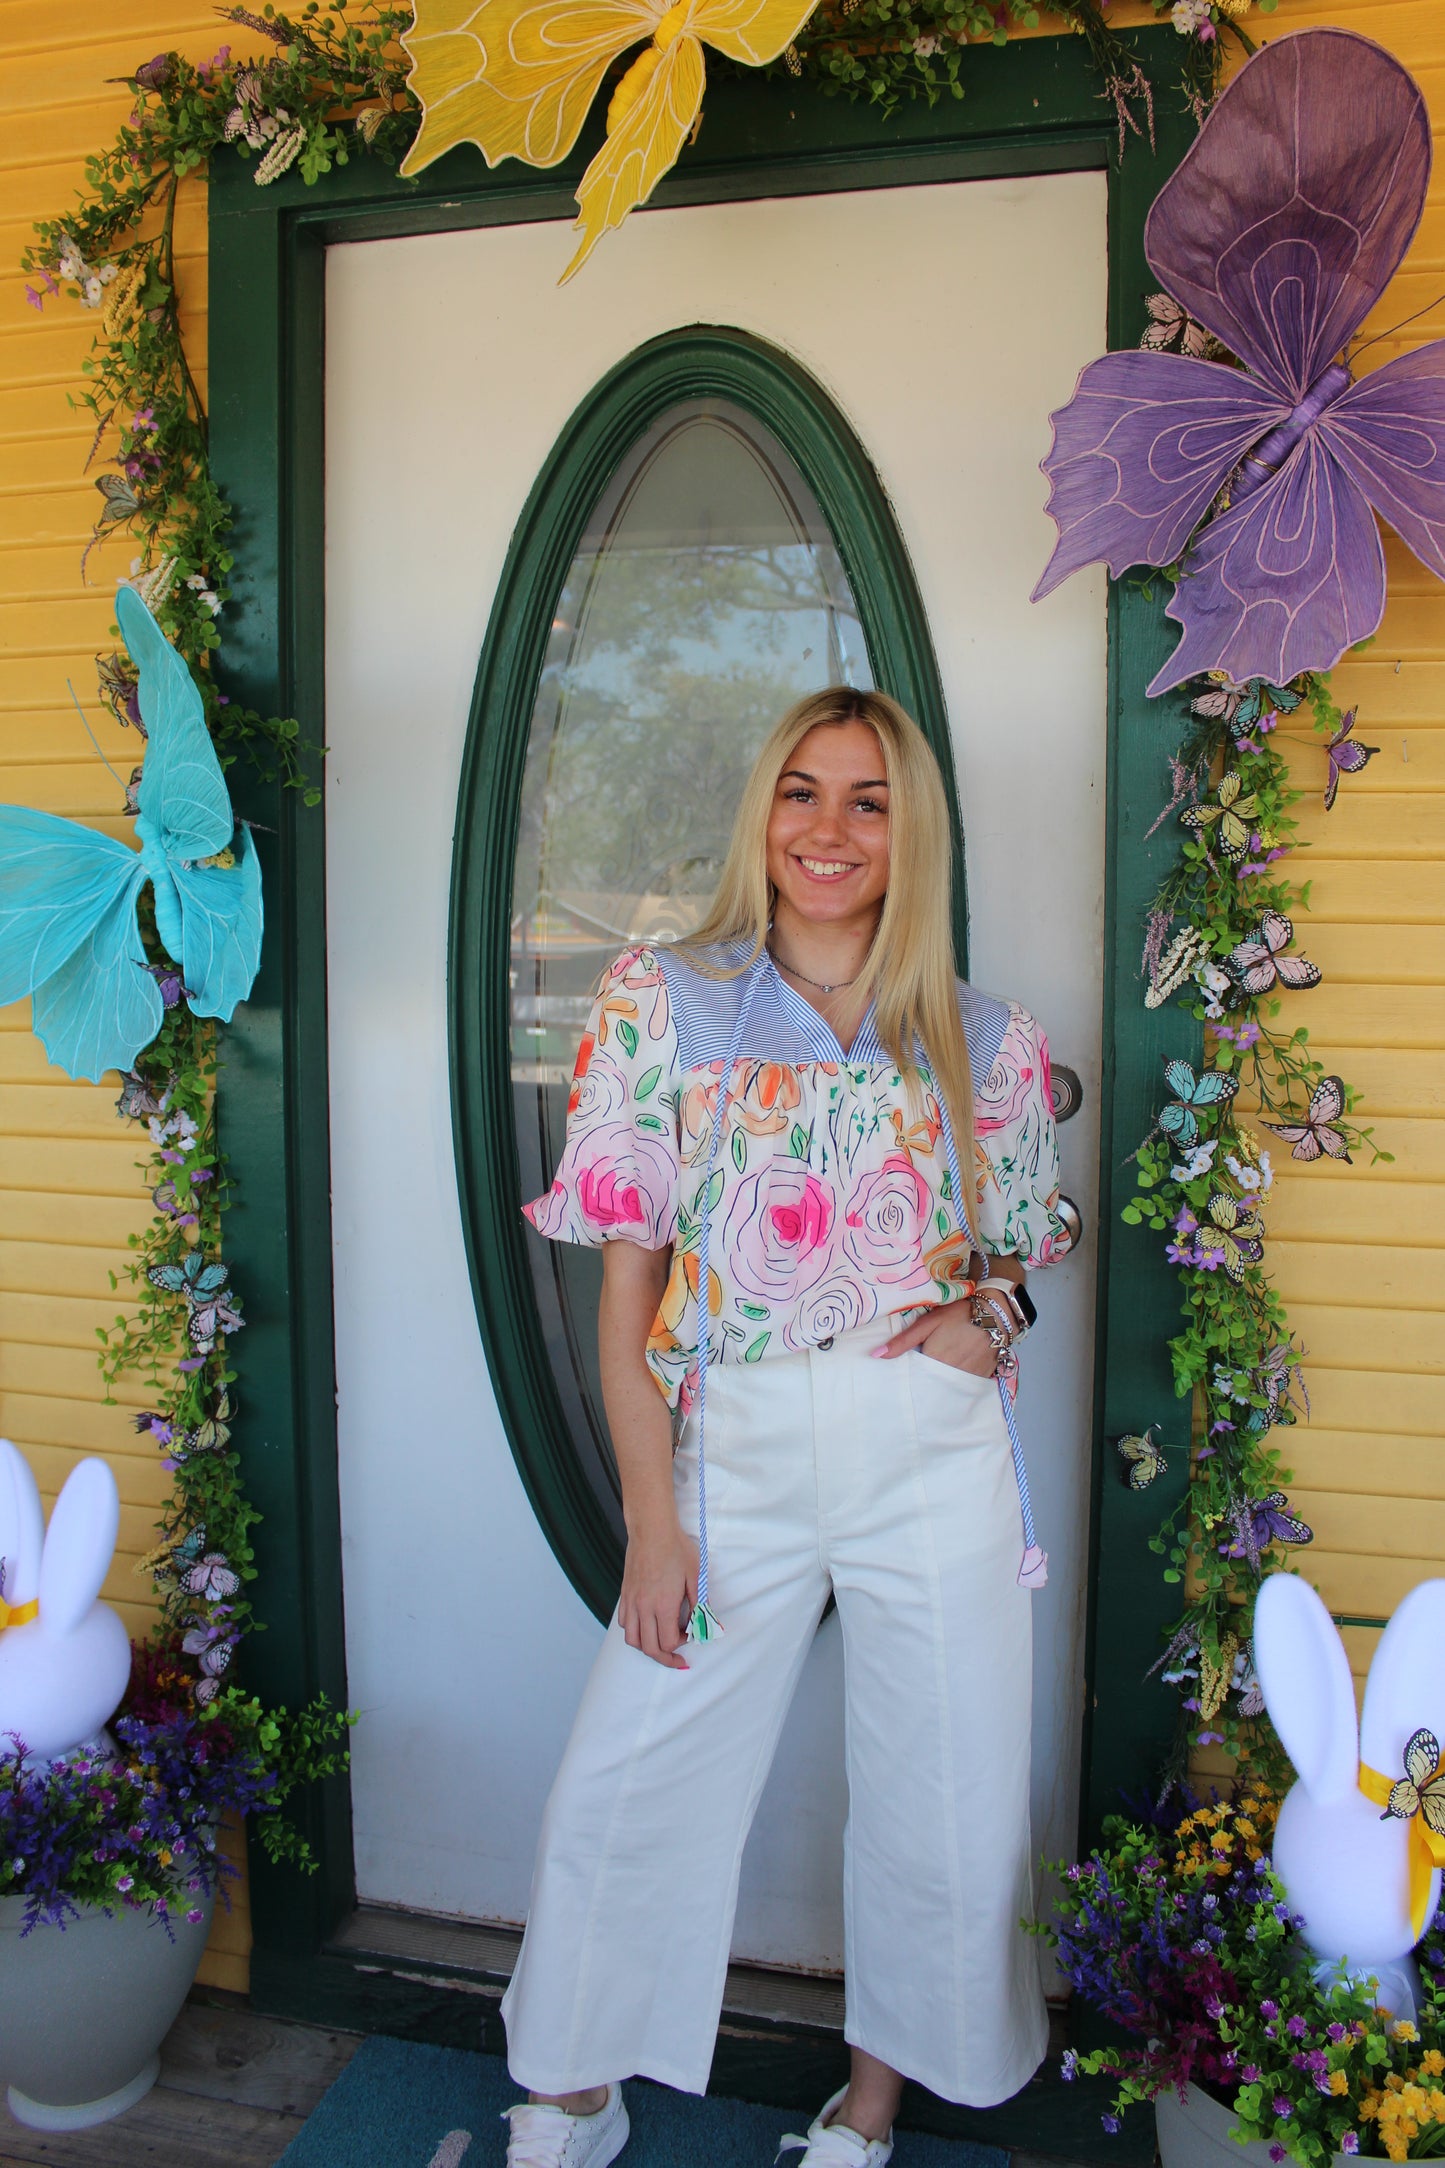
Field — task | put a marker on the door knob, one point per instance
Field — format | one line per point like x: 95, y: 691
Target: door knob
x: 1067, y: 1091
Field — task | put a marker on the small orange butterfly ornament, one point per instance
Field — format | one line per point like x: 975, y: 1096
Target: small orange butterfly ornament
x: 518, y: 80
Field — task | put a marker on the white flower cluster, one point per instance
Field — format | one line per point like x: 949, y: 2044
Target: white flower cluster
x: 209, y: 598
x: 179, y: 1128
x: 1259, y: 1178
x: 1189, y: 17
x: 1214, y: 983
x: 72, y: 265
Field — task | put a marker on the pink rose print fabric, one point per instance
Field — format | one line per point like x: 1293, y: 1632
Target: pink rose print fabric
x: 830, y: 1203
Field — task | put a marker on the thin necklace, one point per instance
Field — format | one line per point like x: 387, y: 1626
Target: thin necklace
x: 839, y: 986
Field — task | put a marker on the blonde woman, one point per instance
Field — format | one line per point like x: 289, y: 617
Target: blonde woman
x: 778, y: 1111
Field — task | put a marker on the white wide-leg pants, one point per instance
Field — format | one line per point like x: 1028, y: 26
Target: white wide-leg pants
x: 891, y: 1483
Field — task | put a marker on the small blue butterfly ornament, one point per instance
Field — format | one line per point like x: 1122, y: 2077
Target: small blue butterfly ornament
x: 68, y: 895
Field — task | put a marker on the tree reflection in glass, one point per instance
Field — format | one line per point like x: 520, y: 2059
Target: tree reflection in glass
x: 706, y: 596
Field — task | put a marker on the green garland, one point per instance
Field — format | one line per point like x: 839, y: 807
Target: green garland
x: 331, y: 86
x: 1235, y: 1358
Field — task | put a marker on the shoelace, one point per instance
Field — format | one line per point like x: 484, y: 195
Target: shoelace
x: 834, y: 2147
x: 539, y: 2135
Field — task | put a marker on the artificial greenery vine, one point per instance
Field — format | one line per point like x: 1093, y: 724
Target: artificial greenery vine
x: 1221, y: 943
x: 887, y: 50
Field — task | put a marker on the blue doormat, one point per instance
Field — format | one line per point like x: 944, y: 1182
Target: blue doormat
x: 400, y: 2104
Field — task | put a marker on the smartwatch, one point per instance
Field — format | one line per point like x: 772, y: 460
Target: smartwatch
x: 1017, y: 1300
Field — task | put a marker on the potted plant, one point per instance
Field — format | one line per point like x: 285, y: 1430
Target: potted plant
x: 1180, y: 1937
x: 110, y: 1867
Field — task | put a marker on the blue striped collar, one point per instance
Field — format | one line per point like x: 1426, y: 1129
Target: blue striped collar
x: 821, y: 1037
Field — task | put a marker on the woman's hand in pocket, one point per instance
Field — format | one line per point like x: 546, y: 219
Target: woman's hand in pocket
x: 946, y: 1334
x: 659, y: 1589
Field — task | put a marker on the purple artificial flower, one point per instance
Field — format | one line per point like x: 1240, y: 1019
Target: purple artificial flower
x: 1110, y: 2123
x: 1282, y: 2108
x: 1210, y: 1738
x: 1268, y: 2008
x: 1350, y: 2143
x: 1335, y: 2033
x: 125, y: 1882
x: 195, y: 1916
x: 1251, y: 2073
x: 1069, y: 2068
x: 1184, y: 1221
x: 1296, y: 2027
x: 1276, y: 2154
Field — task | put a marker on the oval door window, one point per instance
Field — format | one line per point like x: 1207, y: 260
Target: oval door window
x: 705, y: 597
x: 701, y: 591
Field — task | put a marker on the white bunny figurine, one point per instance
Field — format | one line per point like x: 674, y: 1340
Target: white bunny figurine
x: 1344, y: 1862
x: 64, y: 1657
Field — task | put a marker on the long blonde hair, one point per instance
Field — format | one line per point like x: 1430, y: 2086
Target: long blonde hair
x: 909, y: 968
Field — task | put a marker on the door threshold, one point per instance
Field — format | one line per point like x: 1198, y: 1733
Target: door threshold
x: 478, y: 1957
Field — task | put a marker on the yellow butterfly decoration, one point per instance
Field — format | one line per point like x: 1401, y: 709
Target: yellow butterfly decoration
x: 1233, y: 813
x: 518, y: 81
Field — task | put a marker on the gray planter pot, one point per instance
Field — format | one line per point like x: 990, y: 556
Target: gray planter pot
x: 1194, y: 2133
x: 84, y: 2009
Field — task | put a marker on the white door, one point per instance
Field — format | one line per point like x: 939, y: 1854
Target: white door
x: 945, y: 321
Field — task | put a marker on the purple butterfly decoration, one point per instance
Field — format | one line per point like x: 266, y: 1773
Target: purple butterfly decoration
x: 1278, y: 233
x: 1347, y: 757
x: 1258, y: 1522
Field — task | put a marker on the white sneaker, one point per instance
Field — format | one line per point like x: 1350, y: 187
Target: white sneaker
x: 834, y: 2145
x: 546, y: 2137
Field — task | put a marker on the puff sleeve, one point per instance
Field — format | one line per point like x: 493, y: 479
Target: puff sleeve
x: 1018, y: 1150
x: 618, y: 1176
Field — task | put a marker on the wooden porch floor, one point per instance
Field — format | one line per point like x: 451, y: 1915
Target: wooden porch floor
x: 234, y: 2090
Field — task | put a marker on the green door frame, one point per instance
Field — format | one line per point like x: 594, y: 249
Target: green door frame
x: 1032, y: 106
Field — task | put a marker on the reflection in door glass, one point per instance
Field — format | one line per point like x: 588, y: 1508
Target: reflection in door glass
x: 706, y: 596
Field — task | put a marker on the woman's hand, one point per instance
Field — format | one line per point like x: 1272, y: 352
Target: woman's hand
x: 947, y: 1334
x: 659, y: 1589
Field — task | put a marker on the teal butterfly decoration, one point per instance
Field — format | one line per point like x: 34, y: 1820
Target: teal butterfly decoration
x: 1212, y: 1088
x: 68, y: 930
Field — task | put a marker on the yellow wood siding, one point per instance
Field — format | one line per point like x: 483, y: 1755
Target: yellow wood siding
x: 1359, y: 1254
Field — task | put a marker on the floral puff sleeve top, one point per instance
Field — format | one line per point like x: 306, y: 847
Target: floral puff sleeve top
x: 831, y: 1196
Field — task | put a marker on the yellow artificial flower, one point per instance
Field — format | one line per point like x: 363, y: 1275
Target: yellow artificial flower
x: 1339, y: 2083
x: 1432, y: 2062
x: 518, y: 80
x: 1402, y: 2029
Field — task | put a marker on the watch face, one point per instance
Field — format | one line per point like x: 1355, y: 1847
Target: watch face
x: 1025, y: 1302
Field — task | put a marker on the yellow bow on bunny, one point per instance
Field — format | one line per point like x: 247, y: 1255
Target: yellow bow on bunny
x: 18, y: 1614
x: 517, y: 80
x: 1419, y: 1799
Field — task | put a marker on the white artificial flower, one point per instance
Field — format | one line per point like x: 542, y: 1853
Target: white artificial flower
x: 1247, y: 1177
x: 1198, y: 1160
x: 1266, y: 1172
x: 1214, y: 984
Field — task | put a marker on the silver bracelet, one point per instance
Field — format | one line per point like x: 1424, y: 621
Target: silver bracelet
x: 988, y: 1322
